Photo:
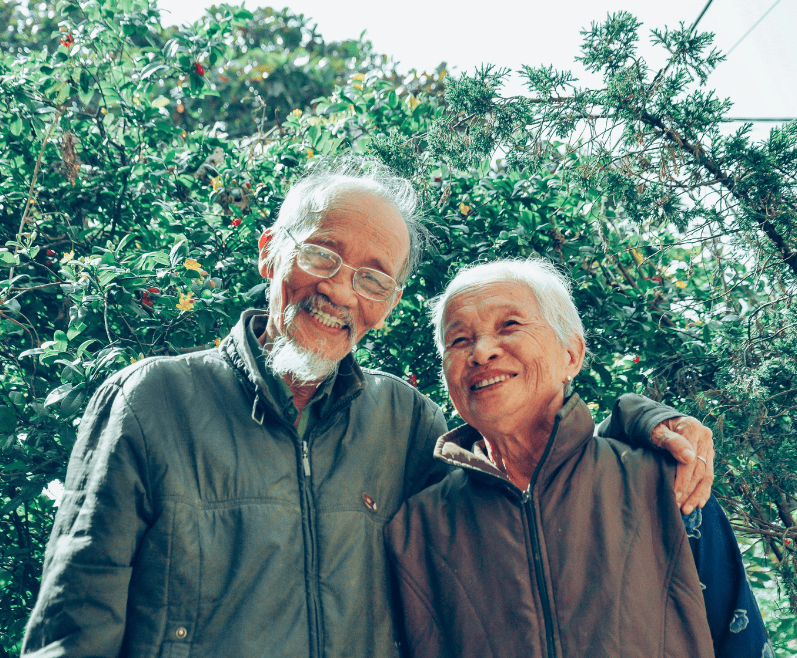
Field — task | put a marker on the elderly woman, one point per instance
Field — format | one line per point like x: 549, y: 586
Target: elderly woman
x: 547, y: 541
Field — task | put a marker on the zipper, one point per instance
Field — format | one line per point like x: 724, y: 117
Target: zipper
x: 305, y: 459
x: 539, y: 572
x: 311, y: 563
x: 528, y: 502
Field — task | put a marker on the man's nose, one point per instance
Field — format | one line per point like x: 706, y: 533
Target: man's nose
x: 485, y: 348
x: 340, y: 287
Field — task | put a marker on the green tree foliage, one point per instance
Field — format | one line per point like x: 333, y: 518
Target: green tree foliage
x: 131, y: 232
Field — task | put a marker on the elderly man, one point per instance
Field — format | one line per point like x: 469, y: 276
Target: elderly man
x: 231, y: 502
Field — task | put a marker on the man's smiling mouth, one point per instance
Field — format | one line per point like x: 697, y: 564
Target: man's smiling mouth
x: 489, y: 382
x: 326, y: 319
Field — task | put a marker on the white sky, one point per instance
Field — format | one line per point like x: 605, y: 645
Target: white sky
x: 760, y: 76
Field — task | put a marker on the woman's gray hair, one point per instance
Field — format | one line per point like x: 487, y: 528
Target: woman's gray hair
x: 312, y: 197
x: 550, y: 288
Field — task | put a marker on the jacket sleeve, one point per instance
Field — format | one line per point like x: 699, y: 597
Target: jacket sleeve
x: 737, y: 628
x: 633, y: 418
x: 422, y: 468
x: 81, y: 607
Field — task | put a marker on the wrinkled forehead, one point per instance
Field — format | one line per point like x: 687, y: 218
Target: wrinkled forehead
x: 482, y: 298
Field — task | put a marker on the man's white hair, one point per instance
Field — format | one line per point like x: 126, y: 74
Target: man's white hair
x: 311, y: 198
x: 550, y: 288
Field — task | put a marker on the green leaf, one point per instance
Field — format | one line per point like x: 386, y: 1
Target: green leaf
x: 15, y: 126
x: 8, y: 420
x: 74, y: 330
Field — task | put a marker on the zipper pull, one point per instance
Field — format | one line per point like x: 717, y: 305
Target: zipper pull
x: 305, y: 459
x: 526, y: 497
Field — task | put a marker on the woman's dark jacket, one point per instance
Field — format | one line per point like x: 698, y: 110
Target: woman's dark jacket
x: 591, y: 561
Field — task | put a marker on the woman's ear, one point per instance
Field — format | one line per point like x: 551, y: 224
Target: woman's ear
x: 575, y: 356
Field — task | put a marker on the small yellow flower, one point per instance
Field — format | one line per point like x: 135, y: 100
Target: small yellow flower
x: 413, y: 102
x: 309, y: 153
x: 191, y: 264
x: 297, y: 112
x: 465, y: 210
x: 217, y: 342
x: 637, y: 256
x: 133, y: 360
x: 358, y: 81
x: 104, y: 111
x: 680, y: 284
x: 67, y: 257
x: 359, y: 76
x: 216, y: 183
x: 185, y: 303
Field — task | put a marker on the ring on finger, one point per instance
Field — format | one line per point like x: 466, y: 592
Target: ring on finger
x: 702, y: 459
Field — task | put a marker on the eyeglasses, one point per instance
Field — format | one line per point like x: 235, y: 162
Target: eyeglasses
x: 325, y: 263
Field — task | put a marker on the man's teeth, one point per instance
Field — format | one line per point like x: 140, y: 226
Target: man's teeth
x: 326, y: 319
x: 492, y: 380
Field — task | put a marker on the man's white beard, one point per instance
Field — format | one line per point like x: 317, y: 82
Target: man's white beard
x: 305, y: 365
x: 302, y: 365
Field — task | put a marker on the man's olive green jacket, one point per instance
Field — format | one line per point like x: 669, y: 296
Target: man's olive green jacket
x: 196, y: 523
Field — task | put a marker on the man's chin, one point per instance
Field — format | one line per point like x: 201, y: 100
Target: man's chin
x: 304, y: 366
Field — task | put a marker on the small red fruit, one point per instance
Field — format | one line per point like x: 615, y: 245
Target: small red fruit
x: 199, y: 69
x: 235, y: 223
x: 413, y: 380
x: 636, y: 359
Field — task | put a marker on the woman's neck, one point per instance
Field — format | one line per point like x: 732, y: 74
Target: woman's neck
x: 518, y: 456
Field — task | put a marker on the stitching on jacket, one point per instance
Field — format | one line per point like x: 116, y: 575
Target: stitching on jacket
x: 406, y: 576
x: 464, y: 591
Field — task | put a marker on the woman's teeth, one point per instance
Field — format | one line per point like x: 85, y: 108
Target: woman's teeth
x: 488, y: 382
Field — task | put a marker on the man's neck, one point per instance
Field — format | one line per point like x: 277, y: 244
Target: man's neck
x: 302, y: 393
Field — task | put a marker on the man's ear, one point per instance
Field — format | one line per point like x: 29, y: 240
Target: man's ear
x: 381, y: 323
x: 266, y: 270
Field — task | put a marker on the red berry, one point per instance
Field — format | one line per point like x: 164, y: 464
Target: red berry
x: 636, y: 359
x: 199, y: 69
x: 155, y: 290
x: 413, y: 380
x: 235, y: 222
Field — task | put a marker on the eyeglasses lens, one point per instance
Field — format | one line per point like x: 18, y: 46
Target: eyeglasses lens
x: 324, y: 263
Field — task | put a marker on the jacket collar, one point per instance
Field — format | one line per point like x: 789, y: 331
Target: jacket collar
x: 349, y: 381
x: 464, y: 446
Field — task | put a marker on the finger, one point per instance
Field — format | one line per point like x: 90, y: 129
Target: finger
x: 683, y: 476
x: 701, y: 485
x: 677, y: 445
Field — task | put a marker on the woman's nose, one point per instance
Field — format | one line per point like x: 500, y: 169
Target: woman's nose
x: 485, y: 348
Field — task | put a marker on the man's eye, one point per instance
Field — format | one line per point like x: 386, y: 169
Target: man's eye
x: 460, y: 340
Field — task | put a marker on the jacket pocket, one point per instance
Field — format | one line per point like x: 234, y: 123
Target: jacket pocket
x: 175, y: 650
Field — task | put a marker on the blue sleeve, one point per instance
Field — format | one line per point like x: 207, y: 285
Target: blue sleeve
x: 737, y: 628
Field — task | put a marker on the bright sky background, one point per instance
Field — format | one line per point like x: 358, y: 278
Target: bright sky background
x: 759, y: 76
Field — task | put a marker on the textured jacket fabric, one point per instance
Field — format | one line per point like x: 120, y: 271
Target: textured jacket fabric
x: 592, y: 560
x: 195, y: 523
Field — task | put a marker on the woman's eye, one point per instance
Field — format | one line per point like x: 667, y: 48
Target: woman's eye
x: 509, y: 323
